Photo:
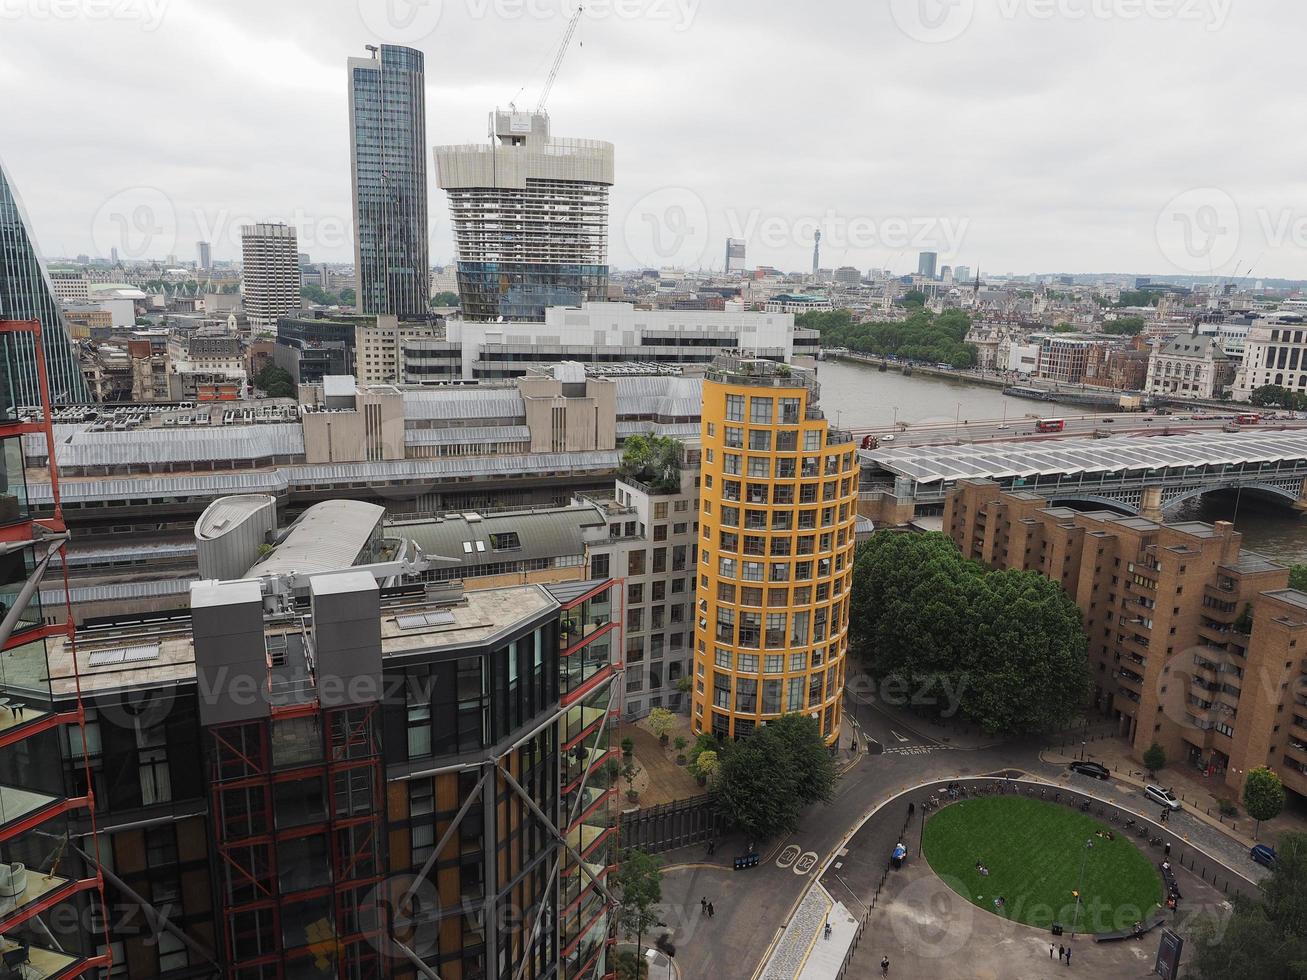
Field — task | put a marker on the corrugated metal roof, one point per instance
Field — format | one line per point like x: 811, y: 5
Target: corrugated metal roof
x: 327, y: 537
x: 553, y: 533
x: 226, y: 513
x: 664, y: 395
x: 118, y: 591
x: 473, y: 434
x: 78, y: 446
x: 464, y: 402
x: 281, y: 478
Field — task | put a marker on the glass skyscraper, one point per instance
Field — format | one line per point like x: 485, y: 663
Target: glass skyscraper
x: 26, y: 294
x: 388, y: 134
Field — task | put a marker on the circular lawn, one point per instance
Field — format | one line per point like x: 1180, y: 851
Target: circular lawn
x: 1033, y: 852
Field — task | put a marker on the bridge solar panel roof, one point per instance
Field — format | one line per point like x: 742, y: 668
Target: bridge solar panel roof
x: 927, y: 464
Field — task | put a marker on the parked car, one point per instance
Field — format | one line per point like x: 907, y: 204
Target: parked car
x: 1263, y: 854
x: 1091, y: 769
x: 1162, y: 796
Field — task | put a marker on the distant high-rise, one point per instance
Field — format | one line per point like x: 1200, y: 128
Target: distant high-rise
x: 270, y: 273
x: 926, y: 264
x: 816, y: 252
x: 204, y: 256
x: 530, y: 217
x: 26, y: 294
x: 735, y: 250
x: 388, y: 163
x: 962, y: 273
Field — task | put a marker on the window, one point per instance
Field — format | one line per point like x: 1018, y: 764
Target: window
x: 789, y: 411
x: 599, y: 566
x: 735, y: 408
x: 731, y: 465
x: 811, y: 441
x: 746, y: 694
x: 635, y: 593
x: 726, y: 567
x: 760, y: 410
x: 760, y: 440
x: 798, y: 661
x: 771, y: 697
x: 505, y: 541
x: 660, y: 511
x: 753, y: 571
x: 773, y: 663
x: 787, y: 440
x: 734, y: 437
x: 635, y: 563
x: 794, y: 694
x: 760, y: 466
x: 748, y: 663
x: 723, y: 658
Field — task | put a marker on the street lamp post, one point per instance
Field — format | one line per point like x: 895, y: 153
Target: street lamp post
x: 1075, y: 922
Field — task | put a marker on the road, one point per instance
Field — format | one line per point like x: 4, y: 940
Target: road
x: 752, y: 906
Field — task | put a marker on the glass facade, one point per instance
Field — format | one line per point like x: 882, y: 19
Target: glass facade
x: 522, y: 291
x: 26, y: 294
x: 388, y: 155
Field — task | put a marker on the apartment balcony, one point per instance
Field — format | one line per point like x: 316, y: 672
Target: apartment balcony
x: 1130, y: 677
x: 25, y: 961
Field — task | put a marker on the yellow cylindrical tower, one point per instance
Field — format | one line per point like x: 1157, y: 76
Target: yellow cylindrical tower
x: 778, y: 506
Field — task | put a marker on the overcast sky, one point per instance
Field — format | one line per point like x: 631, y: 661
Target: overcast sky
x: 1148, y: 136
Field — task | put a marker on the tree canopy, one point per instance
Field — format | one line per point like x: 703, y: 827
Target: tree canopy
x: 275, y: 382
x: 1267, y: 935
x: 923, y: 336
x: 1005, y: 648
x: 445, y: 298
x: 1126, y: 326
x: 1278, y: 396
x: 639, y: 887
x: 316, y: 294
x: 765, y: 780
x: 654, y: 461
x: 1263, y: 794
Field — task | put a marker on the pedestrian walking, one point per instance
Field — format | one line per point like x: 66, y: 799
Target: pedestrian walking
x: 1167, y: 849
x: 710, y: 910
x: 827, y: 929
x: 1068, y: 956
x: 1061, y: 951
x: 703, y: 905
x: 1050, y: 951
x: 884, y: 966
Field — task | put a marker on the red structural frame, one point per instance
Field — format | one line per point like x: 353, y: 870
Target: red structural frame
x: 23, y: 531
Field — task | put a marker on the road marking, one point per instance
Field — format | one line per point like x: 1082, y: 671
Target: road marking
x: 901, y: 738
x: 805, y: 863
x: 788, y: 856
x: 915, y: 749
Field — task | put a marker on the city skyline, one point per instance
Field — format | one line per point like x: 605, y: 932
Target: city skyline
x: 1010, y: 173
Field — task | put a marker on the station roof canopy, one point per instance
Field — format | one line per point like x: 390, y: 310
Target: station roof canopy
x: 1071, y: 456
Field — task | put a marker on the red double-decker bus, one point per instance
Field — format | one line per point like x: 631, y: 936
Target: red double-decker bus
x: 1248, y: 419
x: 1050, y: 425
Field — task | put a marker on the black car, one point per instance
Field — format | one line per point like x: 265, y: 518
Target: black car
x: 1091, y: 769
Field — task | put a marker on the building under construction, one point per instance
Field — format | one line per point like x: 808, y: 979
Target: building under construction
x: 327, y: 768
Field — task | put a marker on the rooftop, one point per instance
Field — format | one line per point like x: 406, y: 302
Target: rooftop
x: 927, y: 464
x: 327, y: 537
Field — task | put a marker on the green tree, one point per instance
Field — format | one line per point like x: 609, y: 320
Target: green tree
x: 757, y: 788
x: 813, y: 764
x: 639, y: 888
x: 1125, y: 326
x: 705, y: 764
x: 445, y: 298
x: 1154, y: 758
x: 275, y: 382
x: 1266, y: 937
x: 654, y: 461
x: 922, y: 337
x: 1064, y: 328
x: 1263, y: 795
x: 661, y: 723
x: 927, y: 622
x: 1298, y: 577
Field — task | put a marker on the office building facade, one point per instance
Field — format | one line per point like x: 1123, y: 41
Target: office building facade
x: 927, y: 263
x: 530, y: 218
x: 270, y: 274
x: 777, y: 517
x: 26, y: 294
x: 388, y: 165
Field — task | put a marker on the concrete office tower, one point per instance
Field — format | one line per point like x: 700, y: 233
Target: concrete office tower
x: 204, y: 256
x: 735, y: 251
x: 816, y: 252
x: 388, y: 164
x: 927, y: 263
x: 26, y: 294
x: 778, y: 509
x: 270, y: 273
x: 530, y: 216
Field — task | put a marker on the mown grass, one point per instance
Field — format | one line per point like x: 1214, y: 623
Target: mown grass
x: 1033, y: 851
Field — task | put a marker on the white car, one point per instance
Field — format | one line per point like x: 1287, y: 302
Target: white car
x: 1162, y: 796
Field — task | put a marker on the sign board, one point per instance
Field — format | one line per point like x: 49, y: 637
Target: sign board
x: 1168, y: 955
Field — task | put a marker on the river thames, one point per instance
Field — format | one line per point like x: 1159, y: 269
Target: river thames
x: 855, y: 396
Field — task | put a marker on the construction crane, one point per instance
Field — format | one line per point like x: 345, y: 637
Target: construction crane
x: 558, y: 59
